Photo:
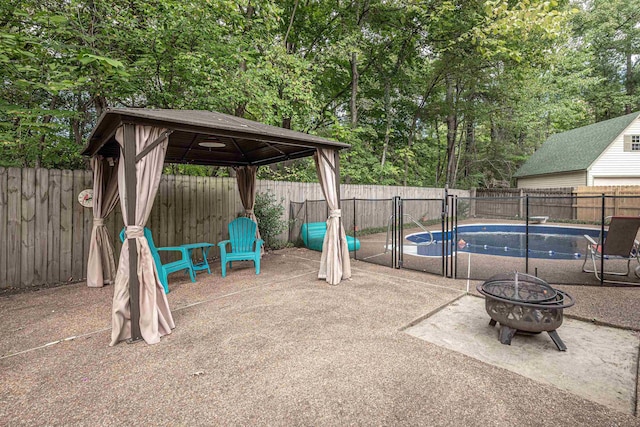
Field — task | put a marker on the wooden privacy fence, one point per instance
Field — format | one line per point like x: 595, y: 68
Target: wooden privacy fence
x: 44, y: 231
x: 580, y: 203
x: 623, y: 201
x: 555, y: 203
x: 42, y: 237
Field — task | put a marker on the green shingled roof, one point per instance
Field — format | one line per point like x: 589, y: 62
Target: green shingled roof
x: 574, y: 150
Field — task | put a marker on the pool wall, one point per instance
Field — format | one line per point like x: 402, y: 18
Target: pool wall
x: 436, y: 249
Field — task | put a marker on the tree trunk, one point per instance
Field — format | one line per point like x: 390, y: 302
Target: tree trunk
x: 45, y: 120
x: 629, y: 83
x: 412, y: 131
x: 470, y: 147
x: 287, y: 45
x: 452, y: 127
x: 77, y: 123
x: 410, y: 138
x: 289, y: 49
x: 387, y: 113
x: 240, y: 109
x: 100, y: 103
x: 354, y: 89
x: 439, y: 166
x: 361, y: 9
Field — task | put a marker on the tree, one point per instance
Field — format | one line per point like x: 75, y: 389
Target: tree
x: 436, y: 92
x: 46, y: 67
x: 609, y: 32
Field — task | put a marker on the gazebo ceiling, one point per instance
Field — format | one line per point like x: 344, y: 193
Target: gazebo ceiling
x: 208, y: 138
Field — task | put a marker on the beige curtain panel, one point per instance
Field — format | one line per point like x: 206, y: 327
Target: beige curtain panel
x: 335, y: 264
x: 246, y: 177
x: 101, y: 266
x: 155, y: 316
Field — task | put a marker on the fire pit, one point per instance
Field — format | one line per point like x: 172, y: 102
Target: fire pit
x: 526, y: 304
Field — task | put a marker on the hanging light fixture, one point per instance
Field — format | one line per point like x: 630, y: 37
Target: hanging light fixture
x: 212, y: 143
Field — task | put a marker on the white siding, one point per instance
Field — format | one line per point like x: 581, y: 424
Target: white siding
x: 614, y: 162
x: 597, y: 181
x: 570, y: 179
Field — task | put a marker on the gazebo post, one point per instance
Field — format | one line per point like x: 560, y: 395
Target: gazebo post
x: 131, y: 181
x: 336, y: 155
x: 336, y: 171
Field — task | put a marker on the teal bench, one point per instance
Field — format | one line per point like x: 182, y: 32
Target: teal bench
x: 313, y: 235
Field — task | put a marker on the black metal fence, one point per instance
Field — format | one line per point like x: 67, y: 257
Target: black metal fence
x: 537, y: 234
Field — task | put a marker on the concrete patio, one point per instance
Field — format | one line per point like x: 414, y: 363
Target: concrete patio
x: 281, y: 348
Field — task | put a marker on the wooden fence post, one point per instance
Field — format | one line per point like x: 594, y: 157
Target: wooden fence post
x: 14, y: 214
x: 521, y: 203
x: 472, y: 203
x: 41, y: 226
x: 3, y: 228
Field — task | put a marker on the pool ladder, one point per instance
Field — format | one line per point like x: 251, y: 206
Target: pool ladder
x: 413, y: 220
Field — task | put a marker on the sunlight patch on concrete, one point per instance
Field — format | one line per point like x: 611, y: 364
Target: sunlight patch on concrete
x: 600, y: 364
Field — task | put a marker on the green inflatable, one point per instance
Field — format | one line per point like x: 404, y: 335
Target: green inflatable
x: 313, y: 236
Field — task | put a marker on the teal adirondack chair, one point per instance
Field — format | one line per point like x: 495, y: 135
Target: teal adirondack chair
x: 244, y: 245
x: 184, y: 263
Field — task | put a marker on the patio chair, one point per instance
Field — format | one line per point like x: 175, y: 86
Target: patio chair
x: 244, y: 244
x: 619, y: 243
x: 184, y: 263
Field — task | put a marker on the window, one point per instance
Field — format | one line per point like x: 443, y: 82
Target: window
x: 632, y: 143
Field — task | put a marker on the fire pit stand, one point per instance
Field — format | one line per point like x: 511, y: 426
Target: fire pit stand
x: 522, y: 303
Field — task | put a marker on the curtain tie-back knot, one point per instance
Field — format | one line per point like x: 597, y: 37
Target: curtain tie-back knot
x: 248, y: 211
x: 98, y: 222
x: 134, y: 231
x: 336, y: 213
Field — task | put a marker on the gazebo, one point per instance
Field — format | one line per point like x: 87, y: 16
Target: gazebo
x: 128, y: 149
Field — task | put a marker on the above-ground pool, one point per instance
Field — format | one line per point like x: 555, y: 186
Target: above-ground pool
x: 545, y: 241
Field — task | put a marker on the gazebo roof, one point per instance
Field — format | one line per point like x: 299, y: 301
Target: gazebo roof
x: 245, y: 142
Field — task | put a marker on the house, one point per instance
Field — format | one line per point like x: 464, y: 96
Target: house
x: 604, y: 153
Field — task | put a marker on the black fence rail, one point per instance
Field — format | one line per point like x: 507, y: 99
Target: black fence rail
x: 366, y: 220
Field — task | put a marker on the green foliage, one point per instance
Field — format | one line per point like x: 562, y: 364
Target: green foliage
x: 443, y: 91
x: 270, y: 215
x: 195, y: 170
x: 609, y: 34
x: 296, y: 171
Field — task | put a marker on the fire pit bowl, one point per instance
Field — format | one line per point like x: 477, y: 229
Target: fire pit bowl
x: 526, y: 304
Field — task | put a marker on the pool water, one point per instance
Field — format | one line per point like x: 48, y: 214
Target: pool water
x: 545, y: 241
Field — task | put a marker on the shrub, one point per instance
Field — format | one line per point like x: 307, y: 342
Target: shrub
x: 270, y: 219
